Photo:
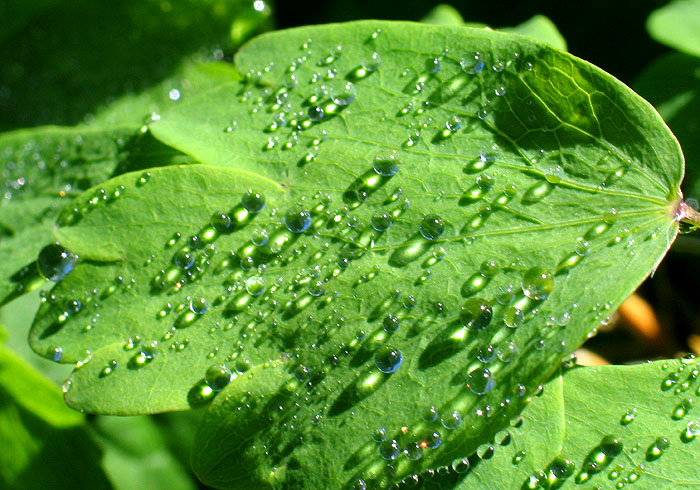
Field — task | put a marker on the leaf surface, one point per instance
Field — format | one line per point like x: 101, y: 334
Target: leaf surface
x: 602, y: 426
x: 435, y: 238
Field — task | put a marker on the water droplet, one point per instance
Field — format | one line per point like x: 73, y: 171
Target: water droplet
x: 382, y: 221
x: 379, y: 434
x: 499, y: 91
x: 691, y: 431
x: 343, y: 94
x: 537, y: 192
x: 109, y: 369
x: 316, y: 113
x: 253, y: 201
x: 657, y: 448
x: 199, y: 306
x: 388, y: 359
x: 519, y: 456
x: 480, y: 381
x: 255, y: 286
x: 476, y: 314
x: 386, y: 164
x: 55, y: 262
x: 297, y: 220
x: 184, y: 259
x: 430, y: 414
x: 55, y: 353
x: 390, y: 323
x: 537, y: 283
x: 389, y: 450
x: 218, y: 377
x: 451, y: 420
x: 513, y: 317
x: 371, y: 63
x: 485, y: 354
x: 431, y: 227
x: 472, y: 65
x: 681, y: 409
x: 460, y: 465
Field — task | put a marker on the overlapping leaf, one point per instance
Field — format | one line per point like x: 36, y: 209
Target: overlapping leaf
x: 445, y: 211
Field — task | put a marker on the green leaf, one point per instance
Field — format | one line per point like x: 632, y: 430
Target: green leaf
x: 607, y: 423
x: 73, y: 60
x: 540, y: 27
x: 136, y: 454
x: 672, y: 84
x: 43, y: 169
x: 677, y: 25
x: 189, y: 78
x: 502, y: 213
x: 445, y: 15
x: 43, y: 440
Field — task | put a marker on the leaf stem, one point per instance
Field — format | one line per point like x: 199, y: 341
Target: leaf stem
x: 686, y: 214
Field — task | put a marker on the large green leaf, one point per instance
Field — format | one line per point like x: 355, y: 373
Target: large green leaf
x: 510, y: 184
x: 43, y: 442
x: 601, y: 430
x: 677, y: 25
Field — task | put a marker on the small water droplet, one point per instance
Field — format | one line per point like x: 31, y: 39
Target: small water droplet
x: 657, y: 448
x: 389, y: 450
x: 451, y: 420
x: 390, y: 323
x: 460, y: 465
x: 381, y: 221
x: 537, y: 283
x: 199, y: 306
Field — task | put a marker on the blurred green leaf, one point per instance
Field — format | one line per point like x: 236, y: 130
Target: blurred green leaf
x: 136, y: 455
x: 677, y: 25
x: 443, y: 14
x: 540, y: 27
x: 44, y: 443
x: 672, y: 84
x: 77, y: 57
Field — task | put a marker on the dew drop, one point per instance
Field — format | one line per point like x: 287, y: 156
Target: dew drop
x: 253, y: 201
x: 691, y: 431
x: 55, y: 262
x: 297, y: 220
x: 460, y: 465
x: 537, y: 283
x: 388, y: 359
x: 343, y: 94
x: 390, y: 323
x: 476, y: 314
x: 430, y: 414
x: 199, y: 306
x: 451, y: 420
x: 657, y: 448
x: 389, y: 450
x: 381, y: 221
x: 386, y: 164
x: 431, y: 227
x: 218, y: 377
x: 379, y: 434
x: 480, y: 381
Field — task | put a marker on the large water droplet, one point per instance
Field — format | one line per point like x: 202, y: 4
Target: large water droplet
x: 388, y: 359
x: 343, y: 94
x: 451, y: 420
x: 55, y: 262
x: 389, y: 450
x: 431, y: 227
x: 657, y: 448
